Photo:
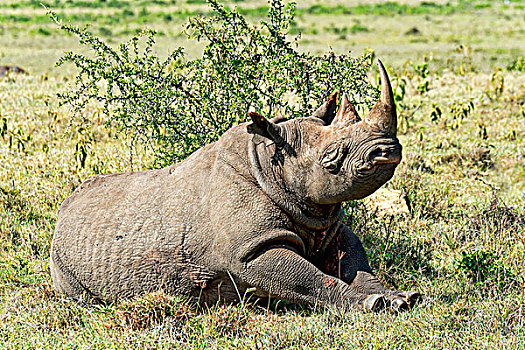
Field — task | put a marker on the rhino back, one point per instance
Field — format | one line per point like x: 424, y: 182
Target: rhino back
x: 122, y: 234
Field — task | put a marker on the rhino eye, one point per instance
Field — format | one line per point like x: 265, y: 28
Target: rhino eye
x: 330, y: 159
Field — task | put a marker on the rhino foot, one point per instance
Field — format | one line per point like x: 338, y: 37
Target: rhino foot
x: 374, y: 302
x: 413, y: 298
x: 399, y: 304
x: 401, y: 301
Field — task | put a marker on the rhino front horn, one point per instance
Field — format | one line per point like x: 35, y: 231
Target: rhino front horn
x: 383, y: 116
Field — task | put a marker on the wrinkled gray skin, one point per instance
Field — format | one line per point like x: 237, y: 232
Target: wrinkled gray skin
x: 257, y: 211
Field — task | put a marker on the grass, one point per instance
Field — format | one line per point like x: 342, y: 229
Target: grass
x: 341, y: 25
x: 462, y: 128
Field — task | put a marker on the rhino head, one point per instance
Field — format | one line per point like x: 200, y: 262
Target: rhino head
x: 332, y: 156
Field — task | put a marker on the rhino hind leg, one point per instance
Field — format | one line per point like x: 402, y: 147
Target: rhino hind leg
x: 64, y: 281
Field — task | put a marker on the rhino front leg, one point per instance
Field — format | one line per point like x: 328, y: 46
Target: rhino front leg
x: 366, y: 282
x: 346, y: 258
x: 282, y: 273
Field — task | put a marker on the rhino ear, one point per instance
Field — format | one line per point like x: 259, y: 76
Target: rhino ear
x: 347, y: 113
x: 327, y: 110
x: 266, y: 128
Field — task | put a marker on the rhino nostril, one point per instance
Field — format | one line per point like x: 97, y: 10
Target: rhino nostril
x: 376, y: 153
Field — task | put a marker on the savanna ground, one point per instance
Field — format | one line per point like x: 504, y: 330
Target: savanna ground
x: 458, y: 69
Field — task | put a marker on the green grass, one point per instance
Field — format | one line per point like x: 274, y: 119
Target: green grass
x: 495, y: 34
x: 378, y: 9
x: 462, y: 246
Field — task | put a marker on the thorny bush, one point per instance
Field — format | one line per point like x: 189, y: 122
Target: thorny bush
x: 176, y: 105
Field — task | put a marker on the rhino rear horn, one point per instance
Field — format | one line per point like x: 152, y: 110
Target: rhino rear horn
x: 383, y: 116
x: 327, y: 110
x: 266, y: 128
x: 346, y: 113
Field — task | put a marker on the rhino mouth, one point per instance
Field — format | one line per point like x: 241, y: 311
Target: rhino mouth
x: 383, y: 155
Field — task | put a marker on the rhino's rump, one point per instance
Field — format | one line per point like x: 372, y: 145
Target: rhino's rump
x: 126, y: 234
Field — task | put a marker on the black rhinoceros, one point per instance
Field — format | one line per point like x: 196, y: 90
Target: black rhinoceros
x: 259, y: 211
